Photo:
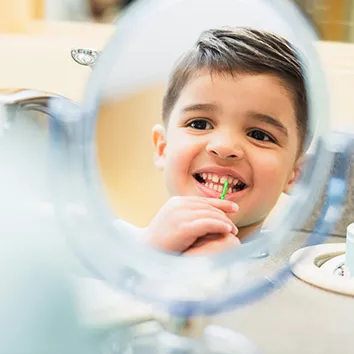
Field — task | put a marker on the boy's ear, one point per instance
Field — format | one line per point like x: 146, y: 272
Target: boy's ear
x: 299, y: 167
x: 159, y: 143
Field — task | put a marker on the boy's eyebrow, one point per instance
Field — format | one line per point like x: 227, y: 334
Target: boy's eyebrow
x: 208, y: 107
x: 269, y: 120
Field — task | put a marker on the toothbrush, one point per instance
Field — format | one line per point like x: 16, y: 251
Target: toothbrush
x: 226, y: 184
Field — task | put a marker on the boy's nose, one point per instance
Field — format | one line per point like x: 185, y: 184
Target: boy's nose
x: 225, y: 149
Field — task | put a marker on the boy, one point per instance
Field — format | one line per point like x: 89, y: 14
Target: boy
x: 235, y: 108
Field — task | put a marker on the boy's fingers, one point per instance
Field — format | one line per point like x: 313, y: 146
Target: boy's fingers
x: 232, y: 239
x: 194, y: 203
x: 216, y: 243
x: 205, y: 239
x: 225, y: 239
x: 225, y: 205
x: 200, y: 227
x: 217, y: 203
x: 212, y: 214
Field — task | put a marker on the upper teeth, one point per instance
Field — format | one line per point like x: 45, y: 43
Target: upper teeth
x: 216, y: 179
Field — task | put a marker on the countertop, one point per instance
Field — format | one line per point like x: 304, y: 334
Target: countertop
x: 297, y: 318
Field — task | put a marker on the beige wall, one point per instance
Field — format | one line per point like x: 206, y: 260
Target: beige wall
x: 135, y: 187
x: 14, y: 15
x: 39, y: 57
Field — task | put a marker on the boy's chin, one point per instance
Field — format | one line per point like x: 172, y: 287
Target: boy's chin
x: 247, y: 228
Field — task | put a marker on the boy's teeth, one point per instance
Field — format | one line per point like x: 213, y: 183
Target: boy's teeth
x: 217, y: 183
x: 215, y: 178
x: 219, y: 187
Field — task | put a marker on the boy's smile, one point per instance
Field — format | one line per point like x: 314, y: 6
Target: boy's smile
x: 210, y: 180
x: 241, y: 128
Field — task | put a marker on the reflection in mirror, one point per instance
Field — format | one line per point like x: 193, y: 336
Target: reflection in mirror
x: 232, y: 118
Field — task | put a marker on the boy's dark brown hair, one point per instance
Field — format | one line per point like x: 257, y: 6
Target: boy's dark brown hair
x: 242, y: 50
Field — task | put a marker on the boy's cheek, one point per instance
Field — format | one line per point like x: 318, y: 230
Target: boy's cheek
x: 270, y: 175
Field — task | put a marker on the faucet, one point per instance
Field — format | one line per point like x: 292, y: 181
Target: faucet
x: 29, y: 100
x: 59, y: 110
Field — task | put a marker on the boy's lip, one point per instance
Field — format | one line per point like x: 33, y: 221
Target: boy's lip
x: 222, y: 171
x: 214, y: 194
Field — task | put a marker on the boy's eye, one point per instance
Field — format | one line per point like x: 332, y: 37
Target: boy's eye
x: 261, y: 135
x: 200, y: 124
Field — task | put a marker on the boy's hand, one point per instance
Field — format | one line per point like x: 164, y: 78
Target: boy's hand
x: 183, y: 220
x: 213, y: 243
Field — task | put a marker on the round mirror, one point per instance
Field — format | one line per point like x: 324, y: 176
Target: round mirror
x: 186, y: 169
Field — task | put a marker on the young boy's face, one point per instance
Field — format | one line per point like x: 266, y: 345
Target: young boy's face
x: 242, y: 128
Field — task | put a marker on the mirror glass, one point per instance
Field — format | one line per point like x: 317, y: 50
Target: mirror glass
x: 185, y: 116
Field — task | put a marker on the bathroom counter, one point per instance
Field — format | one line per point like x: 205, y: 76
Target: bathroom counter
x: 298, y: 318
